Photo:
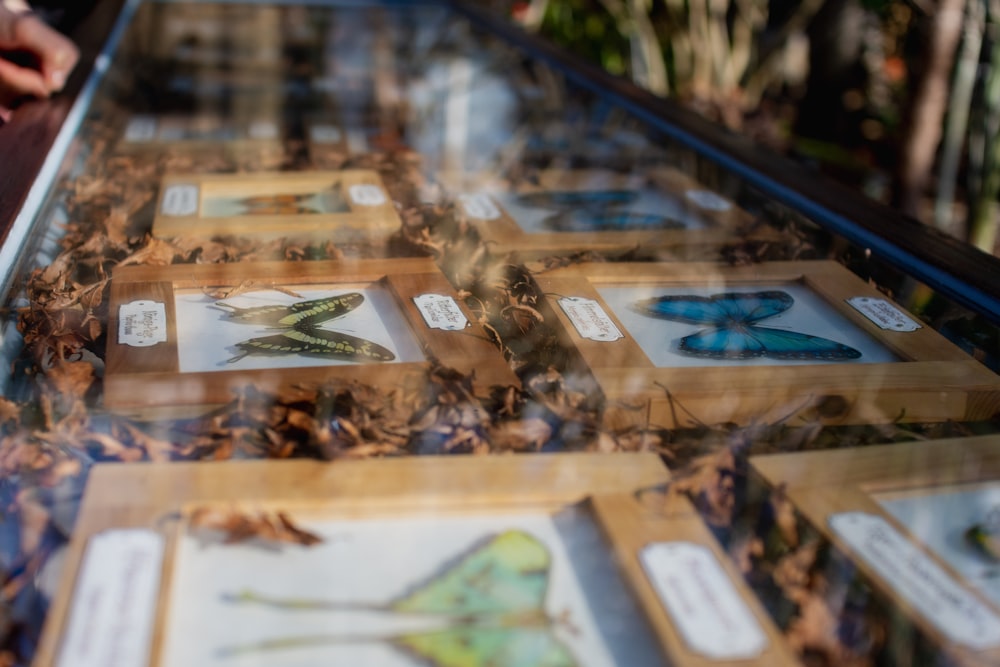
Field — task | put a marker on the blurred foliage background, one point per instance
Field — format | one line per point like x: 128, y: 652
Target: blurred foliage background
x: 898, y: 98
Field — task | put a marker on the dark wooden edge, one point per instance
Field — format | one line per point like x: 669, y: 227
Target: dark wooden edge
x: 953, y: 267
x: 26, y: 140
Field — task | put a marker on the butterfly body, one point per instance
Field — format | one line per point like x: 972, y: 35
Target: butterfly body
x: 734, y: 334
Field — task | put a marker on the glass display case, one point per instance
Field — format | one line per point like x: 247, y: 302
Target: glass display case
x: 279, y: 261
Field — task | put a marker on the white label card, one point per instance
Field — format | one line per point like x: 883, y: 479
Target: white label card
x: 141, y: 128
x: 441, y: 312
x: 263, y: 129
x: 325, y: 134
x: 364, y: 194
x: 702, y: 602
x: 112, y: 614
x: 180, y: 199
x: 142, y: 323
x: 479, y: 206
x: 590, y: 320
x: 883, y: 313
x: 708, y: 200
x: 920, y: 581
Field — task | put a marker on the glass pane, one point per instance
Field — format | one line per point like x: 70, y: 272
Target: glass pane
x: 366, y: 231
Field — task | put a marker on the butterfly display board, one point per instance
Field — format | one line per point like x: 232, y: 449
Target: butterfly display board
x: 347, y: 206
x: 712, y: 343
x: 662, y: 211
x: 920, y: 521
x: 540, y: 560
x: 190, y: 334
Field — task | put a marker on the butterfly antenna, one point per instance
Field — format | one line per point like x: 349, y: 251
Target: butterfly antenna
x: 233, y: 360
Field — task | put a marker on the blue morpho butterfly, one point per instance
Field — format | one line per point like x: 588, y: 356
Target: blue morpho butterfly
x: 301, y: 333
x: 595, y: 210
x: 734, y: 333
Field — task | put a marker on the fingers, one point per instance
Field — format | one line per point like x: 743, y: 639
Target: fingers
x: 54, y: 55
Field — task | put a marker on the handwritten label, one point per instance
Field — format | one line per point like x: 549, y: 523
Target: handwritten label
x: 702, y: 601
x: 708, y: 200
x: 263, y: 129
x: 590, y: 320
x: 479, y: 206
x: 918, y: 580
x: 883, y: 313
x: 142, y: 323
x: 181, y: 199
x: 365, y: 194
x: 441, y: 312
x: 325, y: 134
x: 141, y: 128
x: 114, y: 605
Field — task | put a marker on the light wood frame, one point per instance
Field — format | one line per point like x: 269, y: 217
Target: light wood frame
x: 826, y: 483
x: 140, y: 377
x: 612, y: 490
x: 371, y: 223
x: 504, y: 234
x: 933, y: 381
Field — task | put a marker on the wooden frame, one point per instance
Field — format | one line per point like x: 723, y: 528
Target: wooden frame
x: 609, y: 494
x: 351, y: 205
x: 842, y: 493
x: 709, y: 220
x: 148, y: 374
x: 932, y: 381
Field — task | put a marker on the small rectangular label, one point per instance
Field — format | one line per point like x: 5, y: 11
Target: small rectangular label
x: 142, y: 323
x: 441, y: 312
x: 920, y: 581
x: 884, y: 314
x: 480, y: 207
x: 365, y: 194
x: 590, y: 320
x: 263, y: 129
x: 325, y: 134
x: 702, y: 602
x: 141, y: 128
x: 112, y: 614
x: 180, y: 199
x: 707, y: 200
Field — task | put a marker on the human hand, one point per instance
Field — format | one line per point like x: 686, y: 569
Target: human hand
x: 34, y: 59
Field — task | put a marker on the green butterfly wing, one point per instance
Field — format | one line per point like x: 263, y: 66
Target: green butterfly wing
x: 503, y: 574
x: 487, y: 647
x: 300, y: 314
x: 316, y: 343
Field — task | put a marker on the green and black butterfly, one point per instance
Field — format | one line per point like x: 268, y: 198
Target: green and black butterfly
x: 301, y: 333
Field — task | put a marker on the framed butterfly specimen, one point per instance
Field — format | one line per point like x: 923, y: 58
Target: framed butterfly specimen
x: 533, y: 560
x: 347, y: 206
x: 190, y: 335
x: 766, y: 341
x: 914, y: 519
x: 661, y: 211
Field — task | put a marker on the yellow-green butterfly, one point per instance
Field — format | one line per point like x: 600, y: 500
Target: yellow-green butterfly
x: 302, y: 334
x: 492, y: 597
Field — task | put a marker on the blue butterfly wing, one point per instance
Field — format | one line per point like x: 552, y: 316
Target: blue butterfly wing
x: 747, y: 342
x: 727, y: 309
x: 577, y: 198
x: 587, y: 220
